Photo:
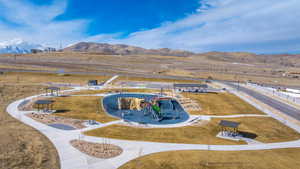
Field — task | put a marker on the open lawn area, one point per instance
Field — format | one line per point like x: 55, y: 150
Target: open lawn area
x: 261, y: 159
x: 191, y: 134
x: 267, y: 129
x: 264, y: 129
x: 221, y: 104
x: 81, y: 107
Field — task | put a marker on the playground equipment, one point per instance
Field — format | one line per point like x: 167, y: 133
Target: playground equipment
x: 129, y: 103
x: 145, y: 108
x: 153, y: 107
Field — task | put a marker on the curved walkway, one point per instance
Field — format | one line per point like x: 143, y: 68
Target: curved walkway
x: 71, y: 158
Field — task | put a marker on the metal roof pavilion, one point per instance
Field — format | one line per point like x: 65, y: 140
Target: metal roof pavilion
x: 231, y: 124
x: 44, y: 102
x: 52, y: 88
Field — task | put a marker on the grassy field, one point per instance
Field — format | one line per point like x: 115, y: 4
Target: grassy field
x: 267, y: 129
x: 26, y: 67
x: 20, y: 145
x: 82, y: 107
x: 221, y: 104
x: 83, y: 92
x: 262, y: 159
x: 220, y: 66
x: 190, y: 135
x: 264, y: 129
x: 39, y: 78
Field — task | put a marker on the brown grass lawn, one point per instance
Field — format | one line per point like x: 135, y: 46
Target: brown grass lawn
x: 39, y: 78
x: 262, y: 159
x: 221, y: 104
x: 83, y: 92
x: 266, y: 129
x: 82, y: 107
x: 20, y: 145
x: 190, y: 135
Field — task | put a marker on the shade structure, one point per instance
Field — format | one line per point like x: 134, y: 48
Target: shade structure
x: 44, y: 104
x: 53, y: 91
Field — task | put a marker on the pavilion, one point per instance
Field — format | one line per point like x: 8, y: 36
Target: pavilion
x: 53, y: 90
x: 229, y: 127
x: 44, y: 105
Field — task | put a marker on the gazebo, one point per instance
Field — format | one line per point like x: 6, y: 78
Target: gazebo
x: 229, y: 127
x: 53, y: 90
x: 44, y: 105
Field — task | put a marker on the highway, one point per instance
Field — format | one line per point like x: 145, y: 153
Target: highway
x: 282, y: 107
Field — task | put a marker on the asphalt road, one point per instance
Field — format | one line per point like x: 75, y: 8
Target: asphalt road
x: 282, y: 107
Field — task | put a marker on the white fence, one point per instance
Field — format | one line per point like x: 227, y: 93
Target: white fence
x: 275, y: 92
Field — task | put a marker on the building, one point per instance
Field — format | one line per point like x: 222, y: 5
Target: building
x: 49, y: 49
x: 201, y: 88
x: 92, y: 82
x: 34, y: 51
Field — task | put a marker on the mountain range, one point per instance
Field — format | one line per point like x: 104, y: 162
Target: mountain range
x: 120, y: 49
x: 18, y: 46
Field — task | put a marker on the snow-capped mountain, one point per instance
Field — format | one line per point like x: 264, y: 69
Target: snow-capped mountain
x: 18, y: 46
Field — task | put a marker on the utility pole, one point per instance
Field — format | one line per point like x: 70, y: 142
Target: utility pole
x: 60, y: 46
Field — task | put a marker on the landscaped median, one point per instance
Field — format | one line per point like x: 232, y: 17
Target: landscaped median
x: 263, y: 129
x: 260, y: 159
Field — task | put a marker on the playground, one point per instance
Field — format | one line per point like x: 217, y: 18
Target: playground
x: 145, y: 108
x: 111, y: 126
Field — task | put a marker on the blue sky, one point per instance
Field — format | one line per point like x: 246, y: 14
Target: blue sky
x: 261, y: 26
x: 127, y: 16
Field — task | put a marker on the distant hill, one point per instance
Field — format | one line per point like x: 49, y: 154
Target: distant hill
x: 289, y: 60
x: 120, y: 49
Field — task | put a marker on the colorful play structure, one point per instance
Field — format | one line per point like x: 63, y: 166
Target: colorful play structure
x: 147, y: 107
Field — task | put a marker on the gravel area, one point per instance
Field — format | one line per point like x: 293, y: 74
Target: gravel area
x: 51, y: 119
x: 99, y: 150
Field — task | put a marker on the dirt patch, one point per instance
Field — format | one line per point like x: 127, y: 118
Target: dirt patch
x: 50, y: 119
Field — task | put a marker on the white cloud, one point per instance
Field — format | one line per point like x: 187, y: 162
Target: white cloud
x: 35, y: 23
x: 229, y: 25
x: 264, y: 26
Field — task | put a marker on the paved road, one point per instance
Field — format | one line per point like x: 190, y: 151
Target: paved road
x: 282, y: 107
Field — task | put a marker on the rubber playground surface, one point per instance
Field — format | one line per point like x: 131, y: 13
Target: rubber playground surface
x: 62, y: 126
x: 171, y: 110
